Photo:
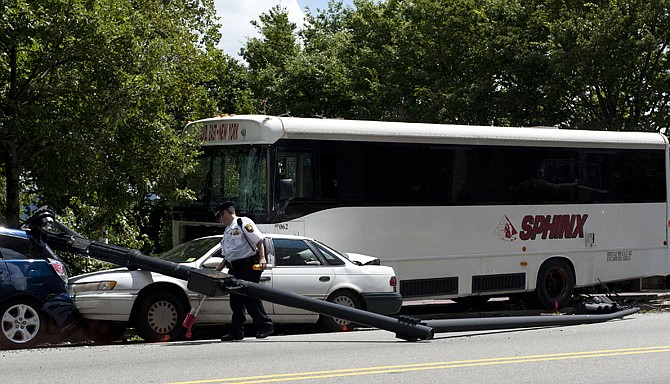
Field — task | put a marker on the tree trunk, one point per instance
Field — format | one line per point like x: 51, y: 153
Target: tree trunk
x: 12, y: 169
x: 12, y: 173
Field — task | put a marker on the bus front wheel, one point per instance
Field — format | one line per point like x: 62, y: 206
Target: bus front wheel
x: 555, y: 283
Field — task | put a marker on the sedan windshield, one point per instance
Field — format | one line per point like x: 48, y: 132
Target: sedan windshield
x: 191, y: 250
x: 330, y: 254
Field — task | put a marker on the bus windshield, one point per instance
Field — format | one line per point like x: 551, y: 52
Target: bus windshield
x: 232, y: 173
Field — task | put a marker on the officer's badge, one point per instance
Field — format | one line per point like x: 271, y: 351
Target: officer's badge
x: 249, y: 228
x: 236, y: 232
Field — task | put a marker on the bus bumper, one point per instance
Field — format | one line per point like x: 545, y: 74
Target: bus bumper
x: 385, y: 303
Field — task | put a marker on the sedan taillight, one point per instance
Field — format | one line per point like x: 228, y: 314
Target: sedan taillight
x: 59, y: 268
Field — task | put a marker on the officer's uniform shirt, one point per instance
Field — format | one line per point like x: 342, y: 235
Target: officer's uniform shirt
x: 234, y: 246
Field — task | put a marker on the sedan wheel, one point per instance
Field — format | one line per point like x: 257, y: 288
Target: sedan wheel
x: 160, y: 317
x: 22, y: 324
x: 335, y: 324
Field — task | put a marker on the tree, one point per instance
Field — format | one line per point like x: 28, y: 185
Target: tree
x: 267, y: 58
x: 379, y: 78
x: 514, y: 87
x: 319, y: 77
x: 468, y: 61
x: 597, y: 65
x: 94, y: 96
x: 612, y: 62
x: 229, y: 85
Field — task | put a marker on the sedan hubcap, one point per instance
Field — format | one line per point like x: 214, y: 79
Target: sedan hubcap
x: 347, y: 302
x: 162, y: 317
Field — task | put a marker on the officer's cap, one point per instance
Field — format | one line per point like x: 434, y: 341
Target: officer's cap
x: 223, y: 206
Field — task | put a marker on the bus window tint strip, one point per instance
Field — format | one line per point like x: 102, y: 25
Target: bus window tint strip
x: 423, y: 174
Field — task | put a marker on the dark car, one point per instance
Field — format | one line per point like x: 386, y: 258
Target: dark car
x: 34, y: 302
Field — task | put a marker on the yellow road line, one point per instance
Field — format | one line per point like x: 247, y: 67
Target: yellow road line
x: 428, y: 366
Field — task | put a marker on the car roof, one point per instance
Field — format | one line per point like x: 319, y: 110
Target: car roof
x: 283, y: 236
x: 13, y: 232
x: 269, y: 235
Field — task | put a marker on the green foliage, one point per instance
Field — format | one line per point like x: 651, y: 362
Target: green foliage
x: 93, y: 100
x: 597, y: 65
x: 268, y: 57
x: 229, y: 86
x: 611, y: 58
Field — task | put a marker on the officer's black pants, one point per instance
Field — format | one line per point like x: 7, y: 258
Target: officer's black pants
x: 254, y: 307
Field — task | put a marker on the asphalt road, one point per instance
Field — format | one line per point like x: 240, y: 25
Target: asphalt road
x: 635, y: 349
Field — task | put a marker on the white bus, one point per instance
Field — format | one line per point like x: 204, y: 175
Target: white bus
x: 458, y: 211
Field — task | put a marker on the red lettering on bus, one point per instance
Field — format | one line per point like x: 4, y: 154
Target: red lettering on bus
x: 212, y: 132
x: 219, y: 132
x: 556, y: 227
x: 542, y: 224
x: 232, y: 131
x: 579, y: 227
x: 526, y: 227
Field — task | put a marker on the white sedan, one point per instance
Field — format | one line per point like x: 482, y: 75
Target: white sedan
x: 156, y: 305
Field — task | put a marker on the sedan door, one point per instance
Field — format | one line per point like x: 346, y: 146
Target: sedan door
x: 217, y: 308
x: 298, y: 268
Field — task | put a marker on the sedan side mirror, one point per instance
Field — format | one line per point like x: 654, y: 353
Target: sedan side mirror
x: 212, y: 262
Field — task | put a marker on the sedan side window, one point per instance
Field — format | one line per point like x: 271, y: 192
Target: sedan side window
x: 289, y: 252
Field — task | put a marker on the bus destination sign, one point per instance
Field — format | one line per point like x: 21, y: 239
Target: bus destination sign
x: 219, y: 132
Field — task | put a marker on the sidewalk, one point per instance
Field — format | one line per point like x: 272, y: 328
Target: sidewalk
x: 646, y: 300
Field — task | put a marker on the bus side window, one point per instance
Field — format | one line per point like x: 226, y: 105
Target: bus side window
x: 328, y: 176
x: 298, y: 166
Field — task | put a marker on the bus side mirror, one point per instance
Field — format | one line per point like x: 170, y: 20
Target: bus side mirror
x: 286, y: 189
x: 286, y: 194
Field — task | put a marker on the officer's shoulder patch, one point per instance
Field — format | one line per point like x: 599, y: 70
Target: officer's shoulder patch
x: 249, y: 228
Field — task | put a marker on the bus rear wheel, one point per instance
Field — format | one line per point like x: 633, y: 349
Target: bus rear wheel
x: 555, y: 283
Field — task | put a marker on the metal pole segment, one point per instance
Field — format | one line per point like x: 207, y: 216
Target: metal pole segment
x: 214, y: 283
x: 512, y: 322
x: 404, y: 328
x: 134, y: 259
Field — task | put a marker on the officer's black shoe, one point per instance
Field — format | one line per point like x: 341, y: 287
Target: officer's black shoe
x: 232, y: 337
x: 265, y: 331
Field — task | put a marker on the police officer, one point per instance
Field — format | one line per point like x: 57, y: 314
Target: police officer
x: 242, y: 247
